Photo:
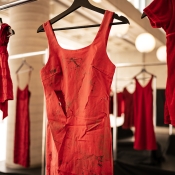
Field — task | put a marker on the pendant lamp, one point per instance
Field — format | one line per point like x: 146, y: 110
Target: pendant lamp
x: 145, y: 43
x: 97, y: 1
x: 162, y: 54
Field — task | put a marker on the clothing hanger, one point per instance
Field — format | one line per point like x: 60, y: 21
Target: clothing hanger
x: 24, y: 62
x: 11, y: 31
x: 82, y: 3
x: 143, y: 15
x: 144, y: 71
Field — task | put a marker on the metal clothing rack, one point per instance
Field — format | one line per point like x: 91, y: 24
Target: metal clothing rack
x: 122, y: 65
x: 126, y: 65
x: 16, y: 3
x: 30, y: 54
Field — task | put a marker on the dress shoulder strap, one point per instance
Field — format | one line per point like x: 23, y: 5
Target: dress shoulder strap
x: 52, y: 41
x: 105, y: 27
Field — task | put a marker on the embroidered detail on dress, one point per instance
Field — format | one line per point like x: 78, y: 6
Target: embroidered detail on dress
x: 52, y: 71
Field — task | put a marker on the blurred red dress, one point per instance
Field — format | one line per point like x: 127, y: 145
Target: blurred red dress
x: 128, y: 99
x: 161, y: 14
x: 6, y: 87
x: 143, y: 117
x: 77, y: 86
x: 22, y: 128
x: 120, y: 104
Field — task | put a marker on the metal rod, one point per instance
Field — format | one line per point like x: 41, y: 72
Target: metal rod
x: 30, y: 54
x: 170, y: 129
x: 121, y: 65
x: 143, y: 61
x: 129, y: 79
x: 44, y: 138
x: 154, y: 101
x: 16, y: 3
x: 115, y: 118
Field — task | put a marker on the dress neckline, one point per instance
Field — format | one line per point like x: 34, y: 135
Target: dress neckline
x: 131, y: 93
x: 83, y: 48
x: 144, y: 85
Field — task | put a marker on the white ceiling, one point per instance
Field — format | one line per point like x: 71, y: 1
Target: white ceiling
x: 84, y: 37
x: 83, y: 16
x: 78, y: 38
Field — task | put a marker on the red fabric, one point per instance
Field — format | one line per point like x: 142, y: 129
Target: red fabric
x: 22, y: 128
x: 161, y: 14
x: 143, y: 117
x: 6, y: 87
x: 77, y: 86
x: 128, y: 99
x: 120, y: 105
x: 111, y: 104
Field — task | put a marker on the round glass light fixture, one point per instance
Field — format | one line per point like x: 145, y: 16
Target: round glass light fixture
x: 97, y: 1
x: 145, y: 43
x: 119, y: 30
x: 162, y: 54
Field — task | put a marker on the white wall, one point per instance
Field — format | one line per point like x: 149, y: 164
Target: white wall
x: 136, y: 57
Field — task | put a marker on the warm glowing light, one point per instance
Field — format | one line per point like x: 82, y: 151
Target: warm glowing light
x: 97, y: 1
x: 116, y: 121
x: 162, y: 54
x: 145, y: 43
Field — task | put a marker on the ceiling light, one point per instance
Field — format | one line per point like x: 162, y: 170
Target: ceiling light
x: 97, y: 1
x: 30, y: 54
x: 145, y: 43
x: 161, y: 54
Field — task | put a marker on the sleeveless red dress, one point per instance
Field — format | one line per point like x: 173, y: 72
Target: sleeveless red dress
x: 128, y: 99
x: 161, y: 15
x: 22, y: 128
x: 6, y: 87
x: 77, y: 86
x: 143, y: 117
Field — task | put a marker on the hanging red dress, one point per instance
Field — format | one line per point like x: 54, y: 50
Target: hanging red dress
x: 22, y: 128
x: 77, y: 86
x: 128, y: 99
x: 6, y: 87
x: 143, y: 117
x: 120, y: 107
x: 161, y: 14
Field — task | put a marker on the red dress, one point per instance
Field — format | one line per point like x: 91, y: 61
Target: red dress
x: 128, y: 99
x: 161, y: 14
x: 143, y: 117
x: 6, y: 87
x: 77, y: 86
x: 22, y: 128
x: 120, y: 106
